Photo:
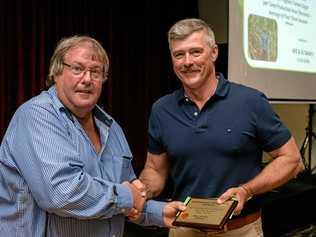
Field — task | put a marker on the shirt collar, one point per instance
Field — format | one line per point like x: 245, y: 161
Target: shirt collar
x: 221, y: 89
x: 222, y: 86
x: 97, y: 111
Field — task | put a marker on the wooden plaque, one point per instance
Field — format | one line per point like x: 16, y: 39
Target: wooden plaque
x: 205, y: 213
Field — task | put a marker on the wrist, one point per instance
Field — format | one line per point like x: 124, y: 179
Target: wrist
x: 247, y: 190
x: 149, y: 194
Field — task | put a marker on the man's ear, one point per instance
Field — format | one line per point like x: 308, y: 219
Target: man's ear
x: 214, y: 52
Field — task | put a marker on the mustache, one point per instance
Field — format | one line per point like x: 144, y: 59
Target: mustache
x: 190, y: 69
x: 88, y: 90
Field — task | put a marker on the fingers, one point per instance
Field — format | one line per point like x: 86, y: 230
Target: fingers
x: 138, y: 198
x: 134, y: 214
x: 226, y: 196
x: 237, y: 193
x: 179, y: 206
x: 142, y: 188
x: 170, y: 211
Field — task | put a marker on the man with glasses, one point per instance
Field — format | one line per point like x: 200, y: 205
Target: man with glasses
x: 65, y: 165
x: 209, y: 136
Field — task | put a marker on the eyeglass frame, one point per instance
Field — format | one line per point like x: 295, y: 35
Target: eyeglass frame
x: 84, y: 70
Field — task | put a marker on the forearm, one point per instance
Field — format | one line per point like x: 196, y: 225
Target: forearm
x: 110, y: 199
x: 276, y: 173
x: 153, y: 181
x: 155, y: 173
x: 286, y: 164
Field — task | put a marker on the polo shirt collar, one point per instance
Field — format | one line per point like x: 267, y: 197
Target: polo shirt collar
x: 222, y: 86
x: 221, y: 90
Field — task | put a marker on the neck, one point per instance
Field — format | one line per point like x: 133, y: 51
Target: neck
x: 201, y: 95
x: 86, y: 121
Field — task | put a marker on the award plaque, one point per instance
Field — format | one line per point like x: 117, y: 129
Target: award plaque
x: 205, y: 213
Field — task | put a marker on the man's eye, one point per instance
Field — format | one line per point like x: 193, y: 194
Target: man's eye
x: 77, y: 69
x: 96, y: 71
x: 196, y: 53
x: 178, y: 55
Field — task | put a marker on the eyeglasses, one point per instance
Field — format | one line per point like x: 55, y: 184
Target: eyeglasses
x: 80, y: 71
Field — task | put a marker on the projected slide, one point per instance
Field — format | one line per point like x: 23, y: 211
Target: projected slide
x: 280, y: 34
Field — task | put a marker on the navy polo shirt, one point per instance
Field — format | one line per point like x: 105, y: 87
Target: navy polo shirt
x: 218, y: 147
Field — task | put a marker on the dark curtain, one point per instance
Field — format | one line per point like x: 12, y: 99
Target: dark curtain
x: 134, y: 33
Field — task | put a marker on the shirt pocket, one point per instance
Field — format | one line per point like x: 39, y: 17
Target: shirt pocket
x: 117, y: 168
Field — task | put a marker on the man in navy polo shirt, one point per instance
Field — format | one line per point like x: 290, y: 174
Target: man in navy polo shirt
x: 210, y: 134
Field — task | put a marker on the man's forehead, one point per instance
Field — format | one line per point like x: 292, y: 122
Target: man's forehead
x: 85, y: 51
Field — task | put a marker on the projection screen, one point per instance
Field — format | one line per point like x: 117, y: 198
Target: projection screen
x: 272, y: 47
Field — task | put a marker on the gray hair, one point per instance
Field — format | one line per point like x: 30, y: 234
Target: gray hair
x: 64, y: 45
x: 184, y: 28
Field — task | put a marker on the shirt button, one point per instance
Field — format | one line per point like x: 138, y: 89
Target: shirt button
x: 186, y: 99
x: 196, y: 113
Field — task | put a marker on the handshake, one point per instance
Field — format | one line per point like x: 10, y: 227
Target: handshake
x: 139, y: 192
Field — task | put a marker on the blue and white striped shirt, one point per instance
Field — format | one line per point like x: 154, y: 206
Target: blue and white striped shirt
x: 54, y: 183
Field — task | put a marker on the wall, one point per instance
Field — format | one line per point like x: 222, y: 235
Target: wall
x: 216, y: 14
x: 295, y: 117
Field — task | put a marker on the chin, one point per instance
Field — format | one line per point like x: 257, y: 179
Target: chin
x: 85, y: 104
x: 85, y: 98
x: 191, y: 79
x: 192, y: 84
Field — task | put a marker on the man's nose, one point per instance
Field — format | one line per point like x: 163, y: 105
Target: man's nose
x: 87, y: 76
x: 188, y: 60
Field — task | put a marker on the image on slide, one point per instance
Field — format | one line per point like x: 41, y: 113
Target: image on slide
x: 262, y: 38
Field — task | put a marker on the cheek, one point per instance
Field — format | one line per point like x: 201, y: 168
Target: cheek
x: 205, y: 63
x: 60, y: 85
x: 66, y: 83
x: 176, y: 63
x: 203, y: 60
x: 177, y: 67
x: 98, y: 90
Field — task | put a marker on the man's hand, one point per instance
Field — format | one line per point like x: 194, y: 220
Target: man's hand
x: 240, y: 194
x: 138, y: 190
x: 140, y: 186
x: 170, y: 210
x: 138, y: 198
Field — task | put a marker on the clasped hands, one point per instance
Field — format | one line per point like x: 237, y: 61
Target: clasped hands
x: 138, y: 190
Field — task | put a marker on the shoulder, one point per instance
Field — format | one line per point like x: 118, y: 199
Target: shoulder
x: 246, y: 94
x: 108, y: 120
x: 33, y: 117
x: 166, y: 101
x: 245, y: 90
x: 37, y: 107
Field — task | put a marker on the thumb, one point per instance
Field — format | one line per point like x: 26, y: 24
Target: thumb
x: 177, y: 205
x: 140, y: 186
x: 224, y: 197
